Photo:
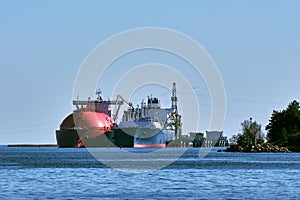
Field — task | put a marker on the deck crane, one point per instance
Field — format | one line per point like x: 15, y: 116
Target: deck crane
x: 119, y: 102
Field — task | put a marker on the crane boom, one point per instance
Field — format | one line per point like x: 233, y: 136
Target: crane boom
x: 118, y: 105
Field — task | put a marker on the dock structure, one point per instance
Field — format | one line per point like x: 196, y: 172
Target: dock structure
x: 197, y: 140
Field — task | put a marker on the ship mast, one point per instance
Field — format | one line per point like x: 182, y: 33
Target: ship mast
x: 175, y: 116
x: 174, y: 98
x: 98, y: 95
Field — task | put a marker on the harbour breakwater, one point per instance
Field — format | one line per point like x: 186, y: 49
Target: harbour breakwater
x: 265, y: 147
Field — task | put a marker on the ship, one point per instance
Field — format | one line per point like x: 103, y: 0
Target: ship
x: 94, y: 124
x: 149, y: 125
x: 90, y: 125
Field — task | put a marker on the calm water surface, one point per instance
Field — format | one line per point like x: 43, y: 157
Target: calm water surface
x: 52, y: 173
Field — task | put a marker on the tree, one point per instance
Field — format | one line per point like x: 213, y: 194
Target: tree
x: 251, y: 135
x: 284, y: 126
x: 234, y: 139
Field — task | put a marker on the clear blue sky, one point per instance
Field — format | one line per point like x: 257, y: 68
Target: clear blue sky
x: 255, y: 45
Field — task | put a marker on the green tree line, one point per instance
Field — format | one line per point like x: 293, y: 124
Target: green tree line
x: 284, y: 127
x: 283, y: 130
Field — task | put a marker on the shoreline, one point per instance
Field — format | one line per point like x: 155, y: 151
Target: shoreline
x: 217, y: 149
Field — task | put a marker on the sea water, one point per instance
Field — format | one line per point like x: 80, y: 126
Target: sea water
x: 54, y: 173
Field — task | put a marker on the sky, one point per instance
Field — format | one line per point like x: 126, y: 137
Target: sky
x: 254, y: 44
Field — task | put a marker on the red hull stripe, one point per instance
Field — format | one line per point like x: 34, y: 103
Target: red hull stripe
x: 149, y: 145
